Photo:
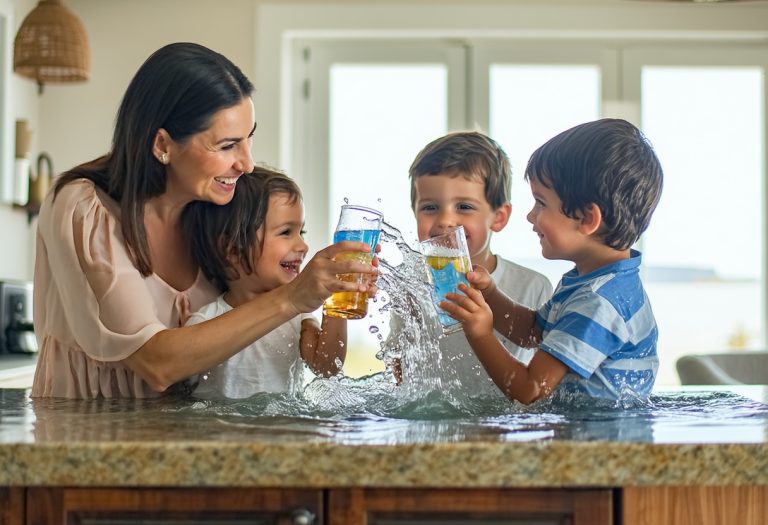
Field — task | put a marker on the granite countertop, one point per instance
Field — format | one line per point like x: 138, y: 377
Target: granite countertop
x: 720, y: 441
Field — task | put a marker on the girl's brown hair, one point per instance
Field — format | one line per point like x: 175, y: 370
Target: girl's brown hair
x: 218, y: 233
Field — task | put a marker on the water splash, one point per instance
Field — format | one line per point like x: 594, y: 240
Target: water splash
x: 431, y: 387
x: 415, y: 328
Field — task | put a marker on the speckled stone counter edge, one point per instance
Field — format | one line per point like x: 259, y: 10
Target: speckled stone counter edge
x: 548, y: 464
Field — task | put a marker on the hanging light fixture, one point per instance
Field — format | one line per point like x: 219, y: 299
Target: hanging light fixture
x: 51, y: 46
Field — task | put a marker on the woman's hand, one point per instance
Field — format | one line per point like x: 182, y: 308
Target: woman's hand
x: 319, y: 278
x: 372, y: 278
x: 471, y: 310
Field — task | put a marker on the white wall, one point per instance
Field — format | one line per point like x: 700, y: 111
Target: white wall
x: 16, y: 235
x: 73, y: 123
x: 77, y: 119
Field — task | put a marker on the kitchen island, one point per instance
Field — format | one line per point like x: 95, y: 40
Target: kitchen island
x: 74, y: 461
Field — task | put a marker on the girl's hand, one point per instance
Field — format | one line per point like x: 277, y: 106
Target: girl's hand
x: 319, y: 278
x: 471, y: 310
x: 481, y: 280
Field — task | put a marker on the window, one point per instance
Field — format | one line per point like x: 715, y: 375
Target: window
x: 704, y: 251
x: 380, y: 116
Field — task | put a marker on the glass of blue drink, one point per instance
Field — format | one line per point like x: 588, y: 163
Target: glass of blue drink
x: 361, y: 224
x: 448, y: 262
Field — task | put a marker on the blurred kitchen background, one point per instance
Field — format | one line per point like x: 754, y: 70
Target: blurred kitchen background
x: 347, y: 92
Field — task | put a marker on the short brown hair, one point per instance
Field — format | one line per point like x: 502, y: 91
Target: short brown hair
x: 608, y: 162
x: 471, y: 155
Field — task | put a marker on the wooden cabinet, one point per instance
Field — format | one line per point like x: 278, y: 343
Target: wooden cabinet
x: 11, y: 506
x: 464, y: 506
x: 358, y: 506
x: 694, y: 505
x: 198, y: 506
x: 377, y: 506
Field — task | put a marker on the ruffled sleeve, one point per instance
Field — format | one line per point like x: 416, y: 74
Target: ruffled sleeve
x: 96, y: 299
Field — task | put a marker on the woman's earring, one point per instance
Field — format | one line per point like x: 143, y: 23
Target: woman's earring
x: 164, y: 158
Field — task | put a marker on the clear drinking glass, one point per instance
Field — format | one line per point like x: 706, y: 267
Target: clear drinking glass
x: 361, y: 224
x: 447, y: 259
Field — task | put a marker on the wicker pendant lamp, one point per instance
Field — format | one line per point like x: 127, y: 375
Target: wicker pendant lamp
x: 51, y: 46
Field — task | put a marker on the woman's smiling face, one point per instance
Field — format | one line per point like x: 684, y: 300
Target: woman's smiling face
x: 208, y: 164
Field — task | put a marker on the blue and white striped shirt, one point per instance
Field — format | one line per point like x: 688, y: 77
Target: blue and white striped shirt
x: 602, y: 327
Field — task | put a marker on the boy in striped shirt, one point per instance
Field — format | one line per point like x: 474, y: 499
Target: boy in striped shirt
x: 595, y: 188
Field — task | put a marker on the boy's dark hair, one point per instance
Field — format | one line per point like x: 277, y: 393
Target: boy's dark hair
x: 468, y: 154
x: 179, y: 88
x: 218, y: 233
x: 608, y: 162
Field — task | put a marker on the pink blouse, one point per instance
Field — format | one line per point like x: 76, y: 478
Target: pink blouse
x: 92, y: 307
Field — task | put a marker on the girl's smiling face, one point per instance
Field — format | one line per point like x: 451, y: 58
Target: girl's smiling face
x: 280, y: 248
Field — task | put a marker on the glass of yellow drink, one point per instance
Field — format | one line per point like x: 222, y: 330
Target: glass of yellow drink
x: 361, y: 224
x: 448, y: 261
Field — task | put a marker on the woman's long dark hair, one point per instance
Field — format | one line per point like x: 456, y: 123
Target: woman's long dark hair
x: 178, y: 88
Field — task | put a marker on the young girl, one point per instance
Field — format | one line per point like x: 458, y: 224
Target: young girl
x: 251, y: 246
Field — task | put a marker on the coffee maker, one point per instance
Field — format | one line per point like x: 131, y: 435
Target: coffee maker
x: 17, y: 335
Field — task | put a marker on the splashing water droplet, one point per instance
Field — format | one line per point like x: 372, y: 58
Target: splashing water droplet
x: 373, y: 329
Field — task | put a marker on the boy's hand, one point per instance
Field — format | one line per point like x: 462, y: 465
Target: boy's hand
x: 471, y: 310
x: 481, y: 280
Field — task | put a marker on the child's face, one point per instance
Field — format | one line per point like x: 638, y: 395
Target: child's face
x: 446, y: 201
x: 282, y: 246
x: 559, y: 235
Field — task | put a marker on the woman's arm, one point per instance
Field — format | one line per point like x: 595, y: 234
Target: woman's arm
x: 174, y: 354
x: 321, y: 347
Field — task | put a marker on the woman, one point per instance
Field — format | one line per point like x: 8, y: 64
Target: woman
x: 114, y: 276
